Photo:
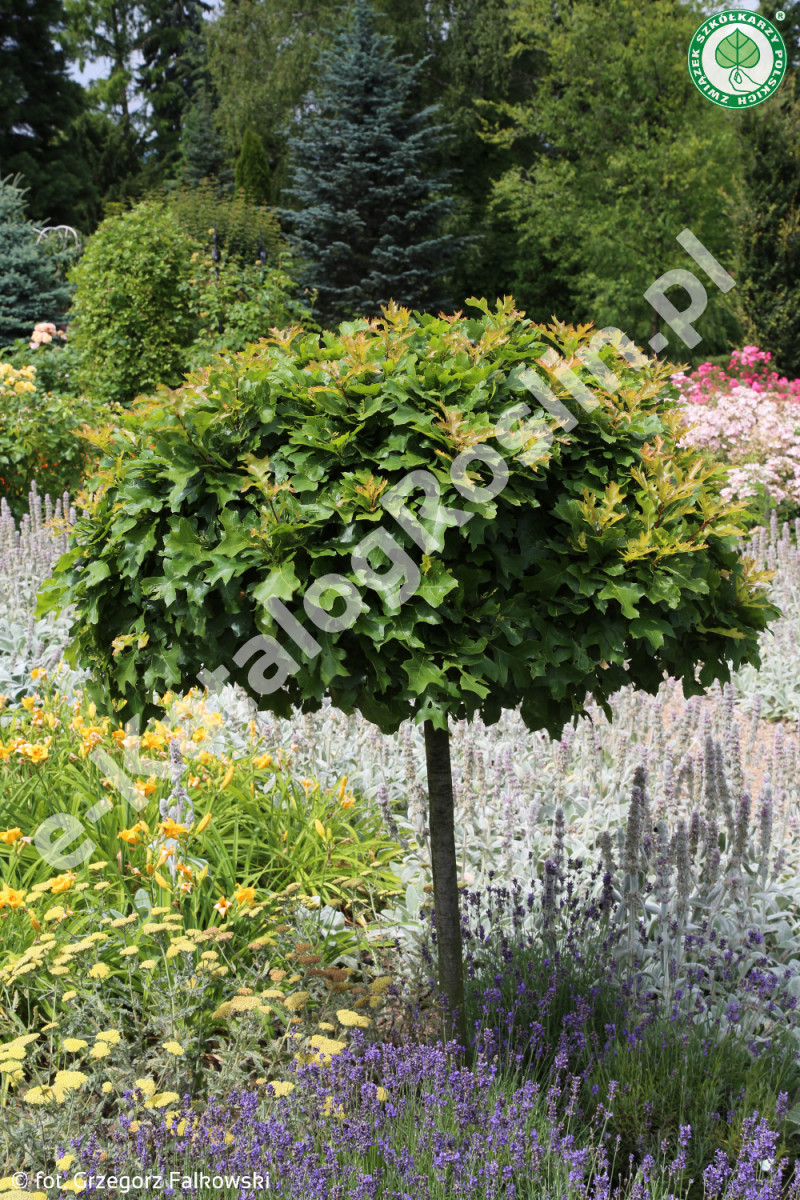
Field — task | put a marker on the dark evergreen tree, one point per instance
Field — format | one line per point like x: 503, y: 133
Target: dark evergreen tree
x: 30, y: 289
x: 38, y: 101
x: 108, y: 30
x: 767, y: 229
x: 369, y: 208
x: 252, y: 169
x: 203, y: 152
x: 475, y: 74
x: 113, y: 165
x: 171, y: 43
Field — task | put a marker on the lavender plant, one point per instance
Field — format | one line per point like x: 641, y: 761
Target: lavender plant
x: 392, y: 1123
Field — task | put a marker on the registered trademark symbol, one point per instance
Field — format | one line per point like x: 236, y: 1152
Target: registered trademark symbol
x: 780, y: 16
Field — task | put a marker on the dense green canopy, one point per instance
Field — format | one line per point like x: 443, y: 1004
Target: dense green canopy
x: 604, y: 558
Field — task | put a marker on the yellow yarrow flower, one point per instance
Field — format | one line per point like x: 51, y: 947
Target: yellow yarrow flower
x: 296, y: 1001
x: 161, y: 1099
x: 346, y: 1016
x: 69, y: 1080
x: 281, y: 1087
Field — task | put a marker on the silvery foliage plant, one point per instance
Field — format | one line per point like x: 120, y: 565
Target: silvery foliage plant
x: 775, y: 686
x: 688, y: 806
x: 28, y: 551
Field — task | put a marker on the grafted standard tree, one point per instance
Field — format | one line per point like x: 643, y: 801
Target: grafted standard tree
x: 561, y: 563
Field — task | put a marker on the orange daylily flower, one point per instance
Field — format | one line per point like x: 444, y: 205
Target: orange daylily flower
x: 11, y: 896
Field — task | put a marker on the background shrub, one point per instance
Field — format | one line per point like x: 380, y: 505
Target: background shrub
x: 242, y: 223
x: 40, y: 437
x: 132, y: 314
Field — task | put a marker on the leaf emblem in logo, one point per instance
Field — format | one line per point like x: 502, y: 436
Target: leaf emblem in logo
x: 734, y: 52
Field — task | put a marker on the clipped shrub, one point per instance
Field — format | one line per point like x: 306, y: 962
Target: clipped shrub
x: 132, y: 312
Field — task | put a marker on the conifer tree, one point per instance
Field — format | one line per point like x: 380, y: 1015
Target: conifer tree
x: 38, y: 102
x: 766, y: 210
x: 202, y: 149
x: 767, y: 231
x: 171, y: 45
x: 368, y: 207
x: 252, y: 168
x: 30, y: 290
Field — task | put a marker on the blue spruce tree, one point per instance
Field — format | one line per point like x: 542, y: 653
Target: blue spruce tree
x: 30, y: 289
x: 369, y: 210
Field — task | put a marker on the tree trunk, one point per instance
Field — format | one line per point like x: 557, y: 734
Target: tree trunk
x: 445, y: 880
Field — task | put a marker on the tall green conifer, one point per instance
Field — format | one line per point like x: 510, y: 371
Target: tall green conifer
x: 368, y: 206
x: 252, y: 168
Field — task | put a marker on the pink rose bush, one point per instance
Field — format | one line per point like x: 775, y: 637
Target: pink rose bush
x: 748, y: 417
x: 43, y: 333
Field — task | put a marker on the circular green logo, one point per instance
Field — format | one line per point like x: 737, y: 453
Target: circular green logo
x: 737, y: 59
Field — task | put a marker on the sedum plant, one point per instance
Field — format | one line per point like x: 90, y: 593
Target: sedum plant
x: 556, y: 563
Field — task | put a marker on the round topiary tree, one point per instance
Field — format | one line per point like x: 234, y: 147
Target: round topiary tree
x: 376, y: 515
x: 132, y: 314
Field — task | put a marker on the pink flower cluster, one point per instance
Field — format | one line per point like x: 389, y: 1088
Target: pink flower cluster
x: 748, y: 368
x: 748, y: 417
x: 44, y: 332
x: 757, y: 435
